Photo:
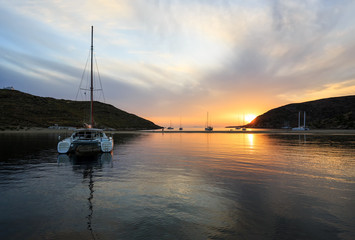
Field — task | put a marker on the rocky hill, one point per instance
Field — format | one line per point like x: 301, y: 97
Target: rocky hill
x: 22, y: 110
x: 329, y: 113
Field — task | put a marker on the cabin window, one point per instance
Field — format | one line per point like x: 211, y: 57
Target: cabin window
x: 88, y: 135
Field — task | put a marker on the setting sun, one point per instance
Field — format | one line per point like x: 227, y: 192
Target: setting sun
x: 249, y: 117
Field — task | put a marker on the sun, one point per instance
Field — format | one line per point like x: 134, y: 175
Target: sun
x: 249, y: 117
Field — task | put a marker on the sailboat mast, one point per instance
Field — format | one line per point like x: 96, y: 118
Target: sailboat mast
x: 304, y: 119
x: 299, y: 119
x: 207, y: 120
x: 92, y: 79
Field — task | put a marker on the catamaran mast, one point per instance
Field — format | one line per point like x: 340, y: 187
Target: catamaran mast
x: 299, y: 119
x: 92, y: 79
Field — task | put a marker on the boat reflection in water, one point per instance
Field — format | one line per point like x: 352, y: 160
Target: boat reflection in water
x: 90, y: 160
x: 87, y: 166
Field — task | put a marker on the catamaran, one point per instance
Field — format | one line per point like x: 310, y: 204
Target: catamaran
x: 301, y: 128
x: 87, y: 141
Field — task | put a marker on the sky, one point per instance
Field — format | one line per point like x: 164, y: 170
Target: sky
x: 176, y: 60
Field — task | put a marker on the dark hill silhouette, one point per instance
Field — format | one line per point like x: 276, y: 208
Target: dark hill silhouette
x: 22, y: 110
x: 329, y: 113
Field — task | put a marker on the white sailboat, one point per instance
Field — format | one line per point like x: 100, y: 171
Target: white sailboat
x: 87, y: 141
x: 208, y: 126
x: 301, y: 128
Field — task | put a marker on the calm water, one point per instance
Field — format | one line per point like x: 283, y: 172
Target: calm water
x: 180, y: 186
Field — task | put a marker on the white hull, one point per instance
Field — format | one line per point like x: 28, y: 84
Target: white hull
x: 300, y: 129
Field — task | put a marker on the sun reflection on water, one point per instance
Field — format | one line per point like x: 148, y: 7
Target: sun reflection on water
x: 251, y: 140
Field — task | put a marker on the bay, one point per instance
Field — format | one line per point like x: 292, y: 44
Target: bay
x: 180, y: 186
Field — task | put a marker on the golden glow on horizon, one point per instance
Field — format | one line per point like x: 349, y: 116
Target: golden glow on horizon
x: 199, y: 120
x: 249, y: 117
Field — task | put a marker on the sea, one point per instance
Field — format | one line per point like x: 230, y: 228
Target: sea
x: 159, y: 185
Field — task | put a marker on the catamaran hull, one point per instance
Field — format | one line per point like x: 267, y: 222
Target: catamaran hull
x: 64, y: 146
x: 107, y: 146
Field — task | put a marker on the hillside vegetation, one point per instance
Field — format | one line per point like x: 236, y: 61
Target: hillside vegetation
x: 22, y: 110
x: 329, y: 113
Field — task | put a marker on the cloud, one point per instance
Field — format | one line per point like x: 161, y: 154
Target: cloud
x: 294, y: 47
x: 343, y: 88
x: 162, y: 57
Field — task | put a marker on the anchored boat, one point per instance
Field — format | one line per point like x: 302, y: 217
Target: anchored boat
x: 301, y: 128
x: 208, y: 126
x: 87, y: 141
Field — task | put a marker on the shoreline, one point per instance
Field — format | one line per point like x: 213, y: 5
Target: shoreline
x: 248, y: 131
x: 271, y: 131
x: 34, y: 130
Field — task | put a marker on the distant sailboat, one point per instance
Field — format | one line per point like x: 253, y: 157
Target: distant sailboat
x: 208, y: 127
x: 87, y: 141
x: 180, y: 128
x: 243, y: 128
x: 237, y: 127
x: 170, y: 127
x: 301, y: 128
